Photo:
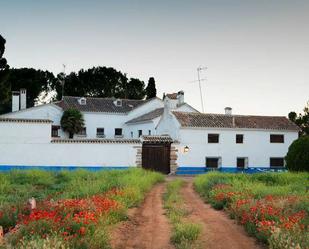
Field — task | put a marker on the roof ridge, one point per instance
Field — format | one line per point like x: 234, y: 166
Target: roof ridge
x: 232, y: 115
x: 108, y: 98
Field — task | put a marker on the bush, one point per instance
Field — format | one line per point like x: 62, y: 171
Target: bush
x: 276, y: 214
x: 297, y: 158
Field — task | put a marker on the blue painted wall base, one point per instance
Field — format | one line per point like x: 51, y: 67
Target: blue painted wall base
x: 59, y: 168
x: 203, y: 170
x: 180, y: 170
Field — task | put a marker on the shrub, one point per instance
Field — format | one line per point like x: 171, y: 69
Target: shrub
x: 297, y: 158
x: 72, y: 121
x: 277, y: 215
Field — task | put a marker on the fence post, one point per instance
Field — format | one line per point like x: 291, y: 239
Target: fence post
x: 1, y: 235
x: 32, y: 203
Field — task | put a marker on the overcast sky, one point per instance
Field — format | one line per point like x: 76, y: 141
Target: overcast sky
x: 257, y: 52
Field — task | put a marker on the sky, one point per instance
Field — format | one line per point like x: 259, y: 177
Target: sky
x: 256, y: 52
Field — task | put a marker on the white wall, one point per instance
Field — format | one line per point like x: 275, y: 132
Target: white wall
x: 145, y: 127
x: 79, y: 154
x: 108, y: 121
x: 168, y: 125
x: 256, y: 146
x: 29, y: 144
x: 145, y: 108
x: 26, y: 133
x: 48, y: 111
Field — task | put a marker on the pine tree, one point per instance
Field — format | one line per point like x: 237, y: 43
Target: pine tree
x: 151, y: 90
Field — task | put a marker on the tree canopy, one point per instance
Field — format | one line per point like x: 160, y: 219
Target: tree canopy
x: 4, y: 74
x: 151, y: 90
x: 93, y: 82
x: 72, y: 121
x: 301, y: 119
x: 297, y: 158
x: 100, y: 82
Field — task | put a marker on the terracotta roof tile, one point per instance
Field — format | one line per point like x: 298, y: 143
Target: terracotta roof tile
x: 25, y: 120
x: 234, y: 121
x: 157, y: 139
x: 95, y: 141
x: 171, y: 95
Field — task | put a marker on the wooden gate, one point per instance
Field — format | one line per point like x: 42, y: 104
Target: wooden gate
x: 156, y: 156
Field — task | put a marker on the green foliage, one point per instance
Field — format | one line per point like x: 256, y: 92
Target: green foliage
x: 151, y: 90
x: 135, y: 89
x: 133, y: 183
x: 99, y: 82
x: 93, y: 82
x: 297, y: 158
x: 51, y: 242
x: 4, y: 74
x: 184, y: 234
x: 273, y: 207
x: 37, y: 83
x: 302, y: 120
x: 72, y: 121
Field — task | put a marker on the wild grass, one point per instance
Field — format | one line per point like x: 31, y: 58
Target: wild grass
x: 274, y: 207
x: 16, y: 187
x: 185, y: 233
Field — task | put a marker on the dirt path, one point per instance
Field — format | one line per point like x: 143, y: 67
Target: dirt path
x: 147, y: 227
x: 219, y: 231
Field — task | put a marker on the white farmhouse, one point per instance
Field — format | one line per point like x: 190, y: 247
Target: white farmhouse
x: 104, y: 117
x: 166, y: 135
x: 226, y: 141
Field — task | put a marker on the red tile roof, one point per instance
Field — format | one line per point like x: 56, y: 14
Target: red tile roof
x: 171, y: 95
x: 24, y: 120
x: 234, y: 121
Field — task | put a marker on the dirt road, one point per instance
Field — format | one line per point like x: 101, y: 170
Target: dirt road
x: 147, y: 227
x: 219, y: 231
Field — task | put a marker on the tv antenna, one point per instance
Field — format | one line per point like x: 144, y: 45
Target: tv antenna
x: 199, y: 80
x: 63, y: 81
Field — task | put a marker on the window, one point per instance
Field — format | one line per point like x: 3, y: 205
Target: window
x: 83, y: 132
x: 242, y: 162
x: 100, y: 132
x: 55, y: 130
x: 140, y: 133
x: 213, y: 138
x: 149, y: 132
x: 239, y: 138
x: 212, y: 162
x: 131, y: 134
x: 276, y: 162
x: 118, y: 132
x: 275, y: 138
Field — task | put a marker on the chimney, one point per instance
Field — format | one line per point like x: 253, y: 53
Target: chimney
x: 228, y: 110
x: 167, y: 107
x: 180, y: 98
x: 15, y: 101
x: 23, y: 99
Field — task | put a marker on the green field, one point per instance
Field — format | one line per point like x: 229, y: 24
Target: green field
x: 274, y: 207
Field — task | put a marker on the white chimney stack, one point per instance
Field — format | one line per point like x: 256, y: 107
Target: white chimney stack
x: 23, y: 99
x: 228, y: 110
x: 15, y: 101
x: 180, y: 98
